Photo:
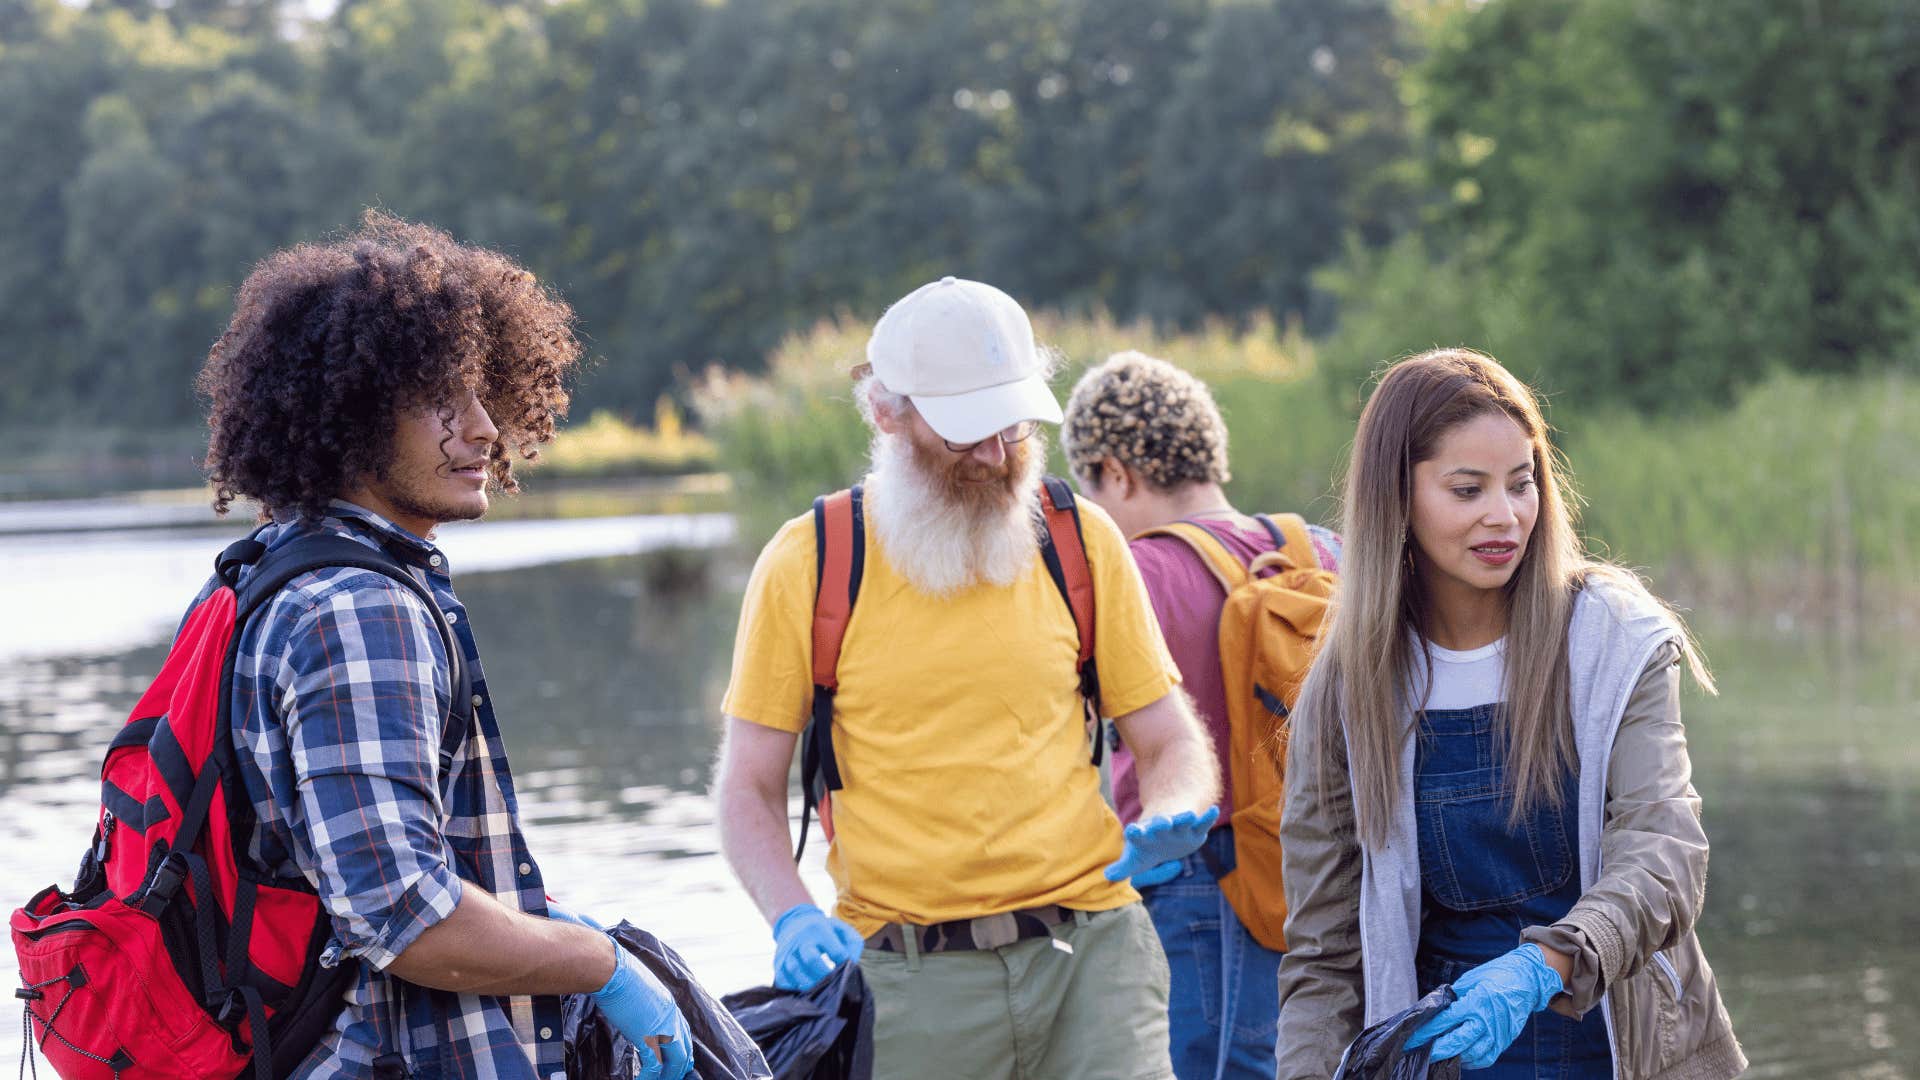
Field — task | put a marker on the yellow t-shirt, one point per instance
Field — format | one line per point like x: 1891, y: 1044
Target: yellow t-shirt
x: 957, y: 726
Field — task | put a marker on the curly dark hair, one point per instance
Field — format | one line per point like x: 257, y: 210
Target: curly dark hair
x: 329, y: 341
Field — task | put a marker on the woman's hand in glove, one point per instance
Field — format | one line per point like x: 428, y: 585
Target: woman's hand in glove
x: 1496, y: 999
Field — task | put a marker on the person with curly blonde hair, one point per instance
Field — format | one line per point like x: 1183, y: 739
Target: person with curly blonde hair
x: 1146, y: 443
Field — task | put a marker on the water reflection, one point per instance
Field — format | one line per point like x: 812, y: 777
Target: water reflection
x: 606, y: 672
x: 1810, y: 772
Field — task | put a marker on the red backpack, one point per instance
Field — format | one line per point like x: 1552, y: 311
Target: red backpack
x: 174, y: 956
x: 840, y: 544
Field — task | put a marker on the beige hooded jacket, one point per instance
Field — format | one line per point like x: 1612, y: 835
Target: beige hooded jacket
x: 1643, y: 881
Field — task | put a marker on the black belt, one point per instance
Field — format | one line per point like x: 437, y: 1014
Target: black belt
x: 985, y: 932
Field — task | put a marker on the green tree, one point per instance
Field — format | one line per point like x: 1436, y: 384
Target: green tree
x: 1660, y: 203
x: 1274, y: 147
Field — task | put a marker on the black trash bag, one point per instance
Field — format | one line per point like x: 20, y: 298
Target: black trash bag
x: 825, y: 1033
x: 1380, y: 1052
x: 722, y: 1049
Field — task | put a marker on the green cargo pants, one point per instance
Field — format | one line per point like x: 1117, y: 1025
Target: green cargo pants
x: 1032, y: 1010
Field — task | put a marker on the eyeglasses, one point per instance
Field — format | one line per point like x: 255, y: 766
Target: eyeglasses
x: 1022, y: 430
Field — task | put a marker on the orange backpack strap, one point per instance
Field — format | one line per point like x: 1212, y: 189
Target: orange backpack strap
x: 1065, y: 554
x: 1226, y: 567
x: 840, y: 556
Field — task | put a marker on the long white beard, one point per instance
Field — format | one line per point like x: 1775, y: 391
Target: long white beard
x: 941, y: 546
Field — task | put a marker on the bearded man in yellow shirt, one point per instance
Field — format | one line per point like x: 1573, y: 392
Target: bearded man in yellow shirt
x: 984, y: 883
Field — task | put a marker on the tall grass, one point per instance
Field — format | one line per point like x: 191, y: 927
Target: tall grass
x: 793, y: 433
x: 1813, y: 480
x: 1805, y: 483
x: 604, y: 445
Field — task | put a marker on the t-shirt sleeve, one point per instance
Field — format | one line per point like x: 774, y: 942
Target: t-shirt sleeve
x: 1136, y: 669
x: 772, y: 680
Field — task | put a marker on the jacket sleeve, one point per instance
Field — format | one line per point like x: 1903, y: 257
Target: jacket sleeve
x: 1653, y: 851
x: 1321, y: 1005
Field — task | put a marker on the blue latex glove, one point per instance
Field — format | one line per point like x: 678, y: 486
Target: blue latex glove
x: 1158, y: 875
x: 1496, y: 999
x: 1156, y: 845
x: 636, y: 1003
x: 555, y: 911
x: 809, y: 945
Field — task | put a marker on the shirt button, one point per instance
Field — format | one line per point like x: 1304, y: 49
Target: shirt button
x: 526, y: 868
x: 452, y: 617
x: 478, y: 701
x: 546, y: 1033
x: 435, y: 560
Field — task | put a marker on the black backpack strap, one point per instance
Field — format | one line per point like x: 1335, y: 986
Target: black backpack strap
x: 274, y: 569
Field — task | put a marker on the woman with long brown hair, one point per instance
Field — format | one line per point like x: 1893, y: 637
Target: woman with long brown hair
x: 1488, y: 782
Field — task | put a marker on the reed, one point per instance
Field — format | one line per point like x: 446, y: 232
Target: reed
x: 1811, y: 479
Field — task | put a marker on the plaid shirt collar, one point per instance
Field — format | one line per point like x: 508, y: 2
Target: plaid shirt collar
x: 398, y: 542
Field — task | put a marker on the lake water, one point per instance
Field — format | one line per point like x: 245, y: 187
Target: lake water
x: 607, y: 625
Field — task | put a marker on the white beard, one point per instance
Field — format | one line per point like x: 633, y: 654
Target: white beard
x: 940, y: 546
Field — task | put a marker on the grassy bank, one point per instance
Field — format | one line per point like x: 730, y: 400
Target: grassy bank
x: 604, y: 445
x: 1804, y: 486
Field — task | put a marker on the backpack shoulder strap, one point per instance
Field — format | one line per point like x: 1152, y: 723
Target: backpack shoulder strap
x: 1225, y: 566
x: 272, y: 570
x: 840, y: 556
x: 1289, y: 532
x: 840, y: 559
x: 1063, y: 548
x: 1065, y: 554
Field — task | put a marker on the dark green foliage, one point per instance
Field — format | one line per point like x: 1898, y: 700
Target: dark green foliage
x: 1651, y: 202
x: 697, y: 178
x: 1659, y: 203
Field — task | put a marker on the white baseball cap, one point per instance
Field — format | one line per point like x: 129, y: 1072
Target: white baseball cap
x: 963, y: 353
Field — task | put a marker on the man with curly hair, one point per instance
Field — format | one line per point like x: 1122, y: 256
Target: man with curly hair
x: 372, y: 389
x: 1146, y: 443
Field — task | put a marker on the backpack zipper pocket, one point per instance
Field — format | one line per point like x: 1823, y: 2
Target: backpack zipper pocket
x: 57, y: 928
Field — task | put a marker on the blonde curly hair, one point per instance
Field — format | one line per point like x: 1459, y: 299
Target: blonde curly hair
x: 1157, y: 418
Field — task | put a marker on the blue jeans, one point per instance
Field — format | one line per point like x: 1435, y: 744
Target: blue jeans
x: 1224, y: 1001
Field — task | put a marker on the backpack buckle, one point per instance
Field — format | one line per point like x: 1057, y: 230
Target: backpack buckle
x: 163, y: 884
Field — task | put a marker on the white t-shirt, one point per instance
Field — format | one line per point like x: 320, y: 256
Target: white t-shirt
x: 1465, y: 680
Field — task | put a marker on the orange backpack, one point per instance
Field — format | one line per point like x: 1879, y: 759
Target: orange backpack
x: 1269, y: 632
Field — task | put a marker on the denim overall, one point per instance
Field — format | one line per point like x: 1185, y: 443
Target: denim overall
x: 1482, y: 883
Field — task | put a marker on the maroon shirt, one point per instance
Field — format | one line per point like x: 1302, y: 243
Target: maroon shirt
x: 1187, y: 600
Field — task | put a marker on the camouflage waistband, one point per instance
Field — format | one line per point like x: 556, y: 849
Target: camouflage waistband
x: 986, y: 932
